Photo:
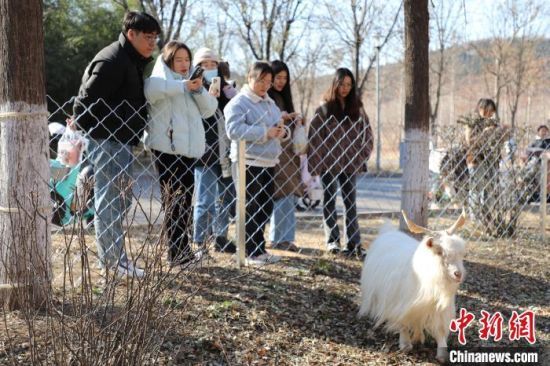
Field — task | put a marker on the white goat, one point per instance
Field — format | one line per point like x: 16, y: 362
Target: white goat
x: 411, y: 286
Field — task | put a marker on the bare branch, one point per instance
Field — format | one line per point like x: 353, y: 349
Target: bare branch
x: 363, y: 80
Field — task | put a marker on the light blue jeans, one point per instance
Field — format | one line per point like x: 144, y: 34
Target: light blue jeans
x: 214, y: 198
x: 282, y: 226
x: 112, y: 165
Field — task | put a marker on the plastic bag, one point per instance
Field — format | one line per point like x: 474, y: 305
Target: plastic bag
x: 299, y: 140
x: 312, y: 183
x: 70, y: 147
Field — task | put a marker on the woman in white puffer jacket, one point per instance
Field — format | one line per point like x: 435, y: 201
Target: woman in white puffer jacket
x: 175, y: 134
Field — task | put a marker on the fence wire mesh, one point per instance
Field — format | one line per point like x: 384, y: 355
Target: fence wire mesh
x: 330, y: 199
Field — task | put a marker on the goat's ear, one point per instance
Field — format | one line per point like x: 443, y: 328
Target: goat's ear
x: 429, y: 242
x: 436, y: 248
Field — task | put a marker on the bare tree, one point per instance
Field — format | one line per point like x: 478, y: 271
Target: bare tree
x: 24, y: 170
x: 417, y: 112
x: 445, y: 16
x: 305, y: 70
x: 216, y: 34
x: 511, y: 31
x: 358, y: 24
x: 169, y: 13
x: 266, y: 27
x: 523, y: 67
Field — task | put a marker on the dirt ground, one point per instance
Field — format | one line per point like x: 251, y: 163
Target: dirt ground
x: 303, y: 310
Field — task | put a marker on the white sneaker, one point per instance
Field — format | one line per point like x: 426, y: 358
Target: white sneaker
x: 333, y: 247
x: 202, y: 254
x: 262, y: 259
x: 129, y: 270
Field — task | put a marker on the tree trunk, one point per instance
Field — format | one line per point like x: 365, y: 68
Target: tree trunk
x: 24, y: 165
x: 434, y: 113
x: 417, y: 112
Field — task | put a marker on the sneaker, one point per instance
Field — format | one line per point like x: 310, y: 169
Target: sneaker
x: 201, y: 254
x: 224, y: 245
x: 285, y: 245
x: 181, y: 259
x: 129, y: 270
x: 262, y: 259
x: 357, y: 252
x: 333, y: 248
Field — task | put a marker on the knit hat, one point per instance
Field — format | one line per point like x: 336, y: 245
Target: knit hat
x: 204, y: 54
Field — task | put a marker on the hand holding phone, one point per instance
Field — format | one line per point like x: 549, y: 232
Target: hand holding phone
x: 215, y: 86
x: 197, y: 73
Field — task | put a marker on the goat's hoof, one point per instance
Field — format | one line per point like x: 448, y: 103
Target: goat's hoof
x: 442, y: 355
x: 405, y: 348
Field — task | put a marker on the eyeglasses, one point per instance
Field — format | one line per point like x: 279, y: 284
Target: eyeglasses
x: 269, y: 84
x: 150, y: 38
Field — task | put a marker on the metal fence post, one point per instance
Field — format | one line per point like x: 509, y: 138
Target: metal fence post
x: 378, y: 132
x: 241, y: 200
x: 543, y: 193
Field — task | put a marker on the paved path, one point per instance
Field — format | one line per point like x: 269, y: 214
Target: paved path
x: 374, y: 194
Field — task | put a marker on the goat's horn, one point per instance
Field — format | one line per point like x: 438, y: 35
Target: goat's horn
x: 413, y: 228
x: 458, y: 223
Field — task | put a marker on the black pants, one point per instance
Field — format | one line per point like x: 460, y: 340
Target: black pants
x: 259, y: 206
x: 176, y: 183
x: 330, y: 218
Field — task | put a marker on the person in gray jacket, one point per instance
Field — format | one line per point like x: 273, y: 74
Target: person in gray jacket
x: 254, y: 117
x: 175, y: 134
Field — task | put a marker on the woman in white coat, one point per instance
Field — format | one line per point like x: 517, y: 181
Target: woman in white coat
x: 175, y: 134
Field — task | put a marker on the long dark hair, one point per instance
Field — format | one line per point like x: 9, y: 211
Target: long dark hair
x: 352, y: 103
x: 279, y: 66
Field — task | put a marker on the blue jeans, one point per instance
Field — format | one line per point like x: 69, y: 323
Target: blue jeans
x: 112, y: 165
x: 283, y: 220
x: 212, y: 207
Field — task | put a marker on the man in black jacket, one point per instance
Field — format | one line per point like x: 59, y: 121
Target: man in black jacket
x: 111, y: 109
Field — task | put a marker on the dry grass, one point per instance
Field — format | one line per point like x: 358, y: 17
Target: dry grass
x: 302, y: 311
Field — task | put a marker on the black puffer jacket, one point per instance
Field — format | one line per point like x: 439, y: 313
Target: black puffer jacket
x: 112, y: 89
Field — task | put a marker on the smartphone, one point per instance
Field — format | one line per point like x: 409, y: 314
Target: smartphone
x: 215, y: 86
x: 197, y: 73
x: 216, y: 83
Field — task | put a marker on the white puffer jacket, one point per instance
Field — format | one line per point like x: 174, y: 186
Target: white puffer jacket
x: 174, y: 107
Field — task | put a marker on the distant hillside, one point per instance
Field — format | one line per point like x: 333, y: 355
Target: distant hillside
x: 465, y: 82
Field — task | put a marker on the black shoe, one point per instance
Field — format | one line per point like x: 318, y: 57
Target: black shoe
x: 181, y: 258
x: 357, y: 252
x: 224, y: 245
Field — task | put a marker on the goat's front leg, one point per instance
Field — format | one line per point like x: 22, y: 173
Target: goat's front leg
x: 405, y: 344
x: 441, y: 339
x: 440, y: 333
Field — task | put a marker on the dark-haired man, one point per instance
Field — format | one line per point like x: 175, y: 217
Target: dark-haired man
x: 110, y: 108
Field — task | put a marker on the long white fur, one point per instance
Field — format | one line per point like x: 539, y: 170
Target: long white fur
x: 409, y: 287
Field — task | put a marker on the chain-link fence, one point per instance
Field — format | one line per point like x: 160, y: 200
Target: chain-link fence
x: 326, y: 197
